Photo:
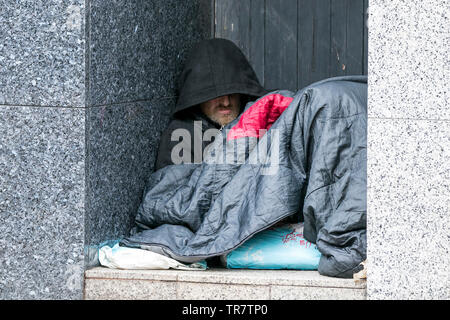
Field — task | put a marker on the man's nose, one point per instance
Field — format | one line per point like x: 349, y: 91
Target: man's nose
x: 225, y: 100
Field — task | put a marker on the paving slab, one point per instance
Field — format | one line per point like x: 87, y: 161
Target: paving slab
x: 217, y: 284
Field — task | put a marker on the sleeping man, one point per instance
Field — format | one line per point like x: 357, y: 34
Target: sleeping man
x: 214, y: 87
x: 196, y: 208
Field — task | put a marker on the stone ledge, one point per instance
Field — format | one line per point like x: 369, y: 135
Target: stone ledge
x: 234, y: 284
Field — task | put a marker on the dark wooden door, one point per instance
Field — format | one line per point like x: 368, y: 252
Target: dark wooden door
x: 293, y: 43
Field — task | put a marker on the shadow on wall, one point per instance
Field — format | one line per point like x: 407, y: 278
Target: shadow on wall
x: 135, y: 54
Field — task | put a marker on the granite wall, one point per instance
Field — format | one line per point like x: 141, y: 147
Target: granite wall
x: 42, y: 148
x: 136, y: 51
x: 408, y: 150
x: 86, y: 87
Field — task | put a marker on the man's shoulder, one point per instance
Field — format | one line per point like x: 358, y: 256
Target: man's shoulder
x: 180, y: 122
x: 176, y: 123
x: 188, y: 122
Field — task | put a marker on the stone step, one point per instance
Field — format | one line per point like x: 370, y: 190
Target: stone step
x: 218, y: 284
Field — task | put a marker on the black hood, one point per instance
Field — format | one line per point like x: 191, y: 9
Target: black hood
x: 214, y: 68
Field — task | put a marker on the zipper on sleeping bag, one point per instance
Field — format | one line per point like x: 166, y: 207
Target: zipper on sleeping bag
x: 253, y: 233
x: 169, y: 251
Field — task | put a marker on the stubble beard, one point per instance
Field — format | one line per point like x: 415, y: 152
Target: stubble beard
x: 223, y: 120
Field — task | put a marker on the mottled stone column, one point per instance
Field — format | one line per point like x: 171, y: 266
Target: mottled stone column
x: 408, y: 150
x: 86, y: 87
x: 136, y: 52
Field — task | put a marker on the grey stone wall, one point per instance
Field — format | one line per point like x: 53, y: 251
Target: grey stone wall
x: 42, y: 148
x: 85, y: 91
x: 42, y: 50
x: 136, y: 51
x: 408, y: 150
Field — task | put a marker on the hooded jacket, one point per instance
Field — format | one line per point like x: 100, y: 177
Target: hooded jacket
x: 214, y: 68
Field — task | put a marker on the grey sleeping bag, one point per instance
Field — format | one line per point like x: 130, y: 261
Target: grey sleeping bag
x: 310, y: 165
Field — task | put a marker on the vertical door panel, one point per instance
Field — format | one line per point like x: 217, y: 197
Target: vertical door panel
x: 293, y: 43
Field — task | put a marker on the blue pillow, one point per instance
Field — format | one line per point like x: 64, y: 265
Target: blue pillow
x: 275, y: 248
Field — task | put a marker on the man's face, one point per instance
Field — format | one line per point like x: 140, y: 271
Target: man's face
x: 222, y: 110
